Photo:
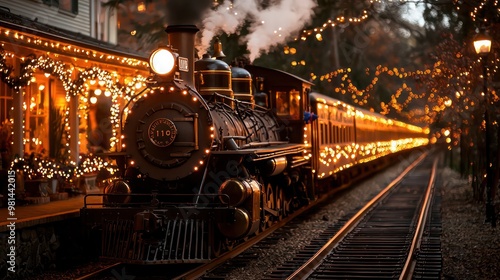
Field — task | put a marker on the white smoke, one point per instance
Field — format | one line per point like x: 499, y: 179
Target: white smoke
x: 269, y: 26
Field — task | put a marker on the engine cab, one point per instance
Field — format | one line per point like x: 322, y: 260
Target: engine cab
x: 287, y: 95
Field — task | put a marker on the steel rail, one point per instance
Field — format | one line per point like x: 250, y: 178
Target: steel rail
x: 201, y: 270
x: 204, y: 268
x: 310, y: 265
x: 99, y: 272
x: 411, y: 261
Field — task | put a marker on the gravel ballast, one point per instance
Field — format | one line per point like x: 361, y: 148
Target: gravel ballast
x: 471, y: 247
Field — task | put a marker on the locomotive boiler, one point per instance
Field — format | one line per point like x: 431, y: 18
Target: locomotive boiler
x: 213, y: 154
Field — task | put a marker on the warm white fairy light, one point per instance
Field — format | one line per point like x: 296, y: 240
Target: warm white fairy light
x: 64, y: 72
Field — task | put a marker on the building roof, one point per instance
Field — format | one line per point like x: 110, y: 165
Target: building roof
x: 26, y: 25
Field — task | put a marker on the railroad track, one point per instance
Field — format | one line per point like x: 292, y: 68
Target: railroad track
x: 209, y: 270
x: 289, y: 269
x: 108, y: 270
x: 384, y: 240
x: 218, y: 270
x: 194, y: 271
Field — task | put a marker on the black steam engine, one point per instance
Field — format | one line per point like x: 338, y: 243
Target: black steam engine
x: 213, y: 154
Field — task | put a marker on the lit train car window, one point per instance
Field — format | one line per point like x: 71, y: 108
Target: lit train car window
x: 321, y: 141
x: 330, y: 132
x: 323, y: 136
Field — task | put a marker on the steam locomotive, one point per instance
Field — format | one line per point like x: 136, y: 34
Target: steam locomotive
x: 213, y: 154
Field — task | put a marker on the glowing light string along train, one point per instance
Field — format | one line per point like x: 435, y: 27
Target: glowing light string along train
x: 212, y: 154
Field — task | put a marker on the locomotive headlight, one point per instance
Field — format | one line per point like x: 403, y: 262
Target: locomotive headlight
x: 162, y: 61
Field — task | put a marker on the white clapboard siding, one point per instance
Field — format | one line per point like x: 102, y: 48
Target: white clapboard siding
x: 50, y: 15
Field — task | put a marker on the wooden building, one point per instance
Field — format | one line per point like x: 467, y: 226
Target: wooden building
x: 64, y: 82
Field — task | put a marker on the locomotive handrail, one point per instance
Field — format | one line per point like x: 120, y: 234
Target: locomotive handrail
x: 239, y: 137
x: 238, y: 101
x: 215, y: 94
x: 126, y: 105
x: 266, y: 152
x: 298, y: 162
x: 260, y: 144
x: 257, y: 155
x: 253, y: 144
x: 221, y: 202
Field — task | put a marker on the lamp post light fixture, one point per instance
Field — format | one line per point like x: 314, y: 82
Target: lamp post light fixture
x: 482, y: 46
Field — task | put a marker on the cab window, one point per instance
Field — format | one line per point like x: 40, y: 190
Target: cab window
x: 282, y: 103
x: 288, y: 104
x: 294, y: 104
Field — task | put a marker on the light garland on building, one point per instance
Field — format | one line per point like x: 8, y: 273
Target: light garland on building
x: 29, y: 40
x: 48, y: 66
x: 78, y: 87
x: 108, y: 82
x: 119, y: 92
x: 6, y: 70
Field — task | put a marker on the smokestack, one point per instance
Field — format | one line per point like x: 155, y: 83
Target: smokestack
x: 181, y: 38
x: 186, y: 12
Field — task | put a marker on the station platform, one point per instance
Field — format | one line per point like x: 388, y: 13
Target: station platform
x: 32, y: 215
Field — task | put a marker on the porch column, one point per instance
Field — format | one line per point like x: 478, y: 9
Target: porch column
x: 18, y: 132
x: 74, y: 128
x: 19, y: 121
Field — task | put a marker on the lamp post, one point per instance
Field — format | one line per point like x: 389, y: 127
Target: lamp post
x: 482, y: 46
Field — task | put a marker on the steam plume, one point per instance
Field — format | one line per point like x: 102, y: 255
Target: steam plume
x: 269, y: 26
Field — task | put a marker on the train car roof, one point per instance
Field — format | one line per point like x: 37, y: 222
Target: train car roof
x: 331, y: 100
x: 279, y: 75
x: 327, y: 99
x: 368, y: 112
x: 387, y: 120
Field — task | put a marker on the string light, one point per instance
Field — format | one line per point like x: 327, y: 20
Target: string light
x: 64, y: 71
x: 68, y: 49
x: 478, y: 8
x: 338, y: 21
x: 76, y: 87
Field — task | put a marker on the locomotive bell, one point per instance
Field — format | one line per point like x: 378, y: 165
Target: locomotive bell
x: 218, y: 49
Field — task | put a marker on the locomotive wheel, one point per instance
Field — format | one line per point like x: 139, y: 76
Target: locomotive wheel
x: 268, y: 202
x: 280, y: 203
x: 229, y: 244
x: 286, y: 205
x: 221, y: 245
x: 217, y: 245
